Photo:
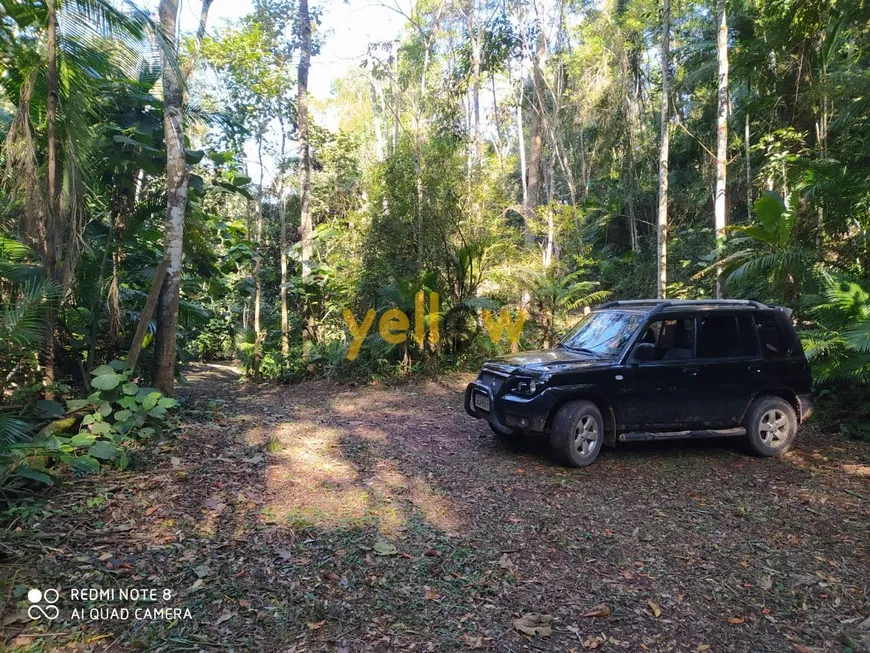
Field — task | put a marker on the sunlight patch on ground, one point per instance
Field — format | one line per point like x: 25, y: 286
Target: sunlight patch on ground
x: 857, y: 470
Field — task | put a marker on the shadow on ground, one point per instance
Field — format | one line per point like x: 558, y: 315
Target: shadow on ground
x: 380, y: 518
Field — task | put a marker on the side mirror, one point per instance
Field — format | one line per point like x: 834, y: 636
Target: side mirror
x: 644, y: 352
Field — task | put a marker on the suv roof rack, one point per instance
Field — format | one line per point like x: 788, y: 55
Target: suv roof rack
x: 660, y: 304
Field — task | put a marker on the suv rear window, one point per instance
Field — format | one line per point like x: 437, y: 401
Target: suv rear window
x: 772, y: 343
x: 726, y: 336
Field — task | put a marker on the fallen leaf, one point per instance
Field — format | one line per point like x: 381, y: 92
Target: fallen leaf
x: 226, y: 616
x: 736, y: 621
x: 703, y: 647
x: 104, y: 557
x: 384, y: 548
x: 591, y: 644
x: 176, y: 462
x: 600, y: 610
x: 506, y: 563
x: 766, y: 582
x: 473, y: 642
x: 316, y: 625
x: 431, y: 596
x: 535, y: 624
x: 655, y: 607
x: 803, y: 649
x: 151, y: 510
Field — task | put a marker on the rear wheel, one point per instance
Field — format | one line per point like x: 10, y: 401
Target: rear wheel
x: 771, y: 426
x: 577, y: 434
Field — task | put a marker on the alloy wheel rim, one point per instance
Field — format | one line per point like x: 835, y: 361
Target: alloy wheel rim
x: 585, y: 435
x: 773, y: 428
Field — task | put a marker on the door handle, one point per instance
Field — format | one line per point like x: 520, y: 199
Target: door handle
x: 690, y: 371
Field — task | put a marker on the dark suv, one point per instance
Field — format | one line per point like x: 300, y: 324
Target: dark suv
x: 650, y: 369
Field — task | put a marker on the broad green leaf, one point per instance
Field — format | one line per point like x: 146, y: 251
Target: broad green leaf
x: 100, y: 428
x: 49, y: 408
x: 103, y: 369
x: 88, y: 419
x: 76, y: 404
x: 130, y: 388
x: 158, y: 411
x: 144, y: 392
x: 28, y: 472
x: 123, y: 415
x: 128, y: 403
x: 83, y: 464
x: 107, y: 381
x: 105, y: 409
x: 167, y: 402
x: 104, y: 450
x: 151, y: 400
x: 83, y: 439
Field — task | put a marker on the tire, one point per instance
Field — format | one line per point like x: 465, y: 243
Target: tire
x: 771, y: 426
x: 577, y: 434
x: 501, y: 432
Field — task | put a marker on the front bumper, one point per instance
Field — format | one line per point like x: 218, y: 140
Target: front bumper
x: 805, y: 403
x: 508, y: 411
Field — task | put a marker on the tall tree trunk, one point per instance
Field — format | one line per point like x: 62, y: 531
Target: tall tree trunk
x: 536, y: 128
x: 474, y: 36
x: 282, y: 218
x: 51, y: 215
x: 176, y: 205
x: 521, y: 146
x: 306, y: 226
x: 258, y: 266
x: 748, y: 165
x: 376, y: 116
x: 662, y: 258
x: 721, y: 207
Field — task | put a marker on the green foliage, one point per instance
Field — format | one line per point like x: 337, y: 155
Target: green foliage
x: 838, y: 344
x: 98, y: 430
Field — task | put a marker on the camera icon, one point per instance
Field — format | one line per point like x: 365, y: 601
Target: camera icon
x: 39, y: 597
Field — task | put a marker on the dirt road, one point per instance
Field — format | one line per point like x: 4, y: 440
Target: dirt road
x: 331, y: 518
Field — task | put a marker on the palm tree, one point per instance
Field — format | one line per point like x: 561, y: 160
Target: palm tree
x: 552, y: 294
x: 767, y: 255
x: 59, y: 59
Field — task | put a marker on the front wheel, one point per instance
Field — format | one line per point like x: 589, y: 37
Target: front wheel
x: 577, y: 434
x: 771, y: 426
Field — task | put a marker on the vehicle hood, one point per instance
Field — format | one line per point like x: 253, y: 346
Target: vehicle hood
x: 546, y: 361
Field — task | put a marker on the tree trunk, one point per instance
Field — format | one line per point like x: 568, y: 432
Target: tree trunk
x: 306, y: 226
x: 536, y: 128
x: 282, y: 218
x: 176, y: 205
x: 662, y: 258
x: 474, y: 36
x: 720, y: 207
x: 48, y: 229
x: 521, y: 146
x: 748, y: 164
x: 258, y: 265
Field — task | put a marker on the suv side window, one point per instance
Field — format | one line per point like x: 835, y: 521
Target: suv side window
x: 674, y: 339
x: 726, y: 336
x: 772, y: 343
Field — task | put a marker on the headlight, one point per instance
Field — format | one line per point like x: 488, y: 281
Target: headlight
x: 529, y: 387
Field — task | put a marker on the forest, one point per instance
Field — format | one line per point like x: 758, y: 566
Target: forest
x: 520, y: 157
x: 178, y: 197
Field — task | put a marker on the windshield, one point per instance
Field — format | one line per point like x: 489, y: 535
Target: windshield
x: 604, y: 333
